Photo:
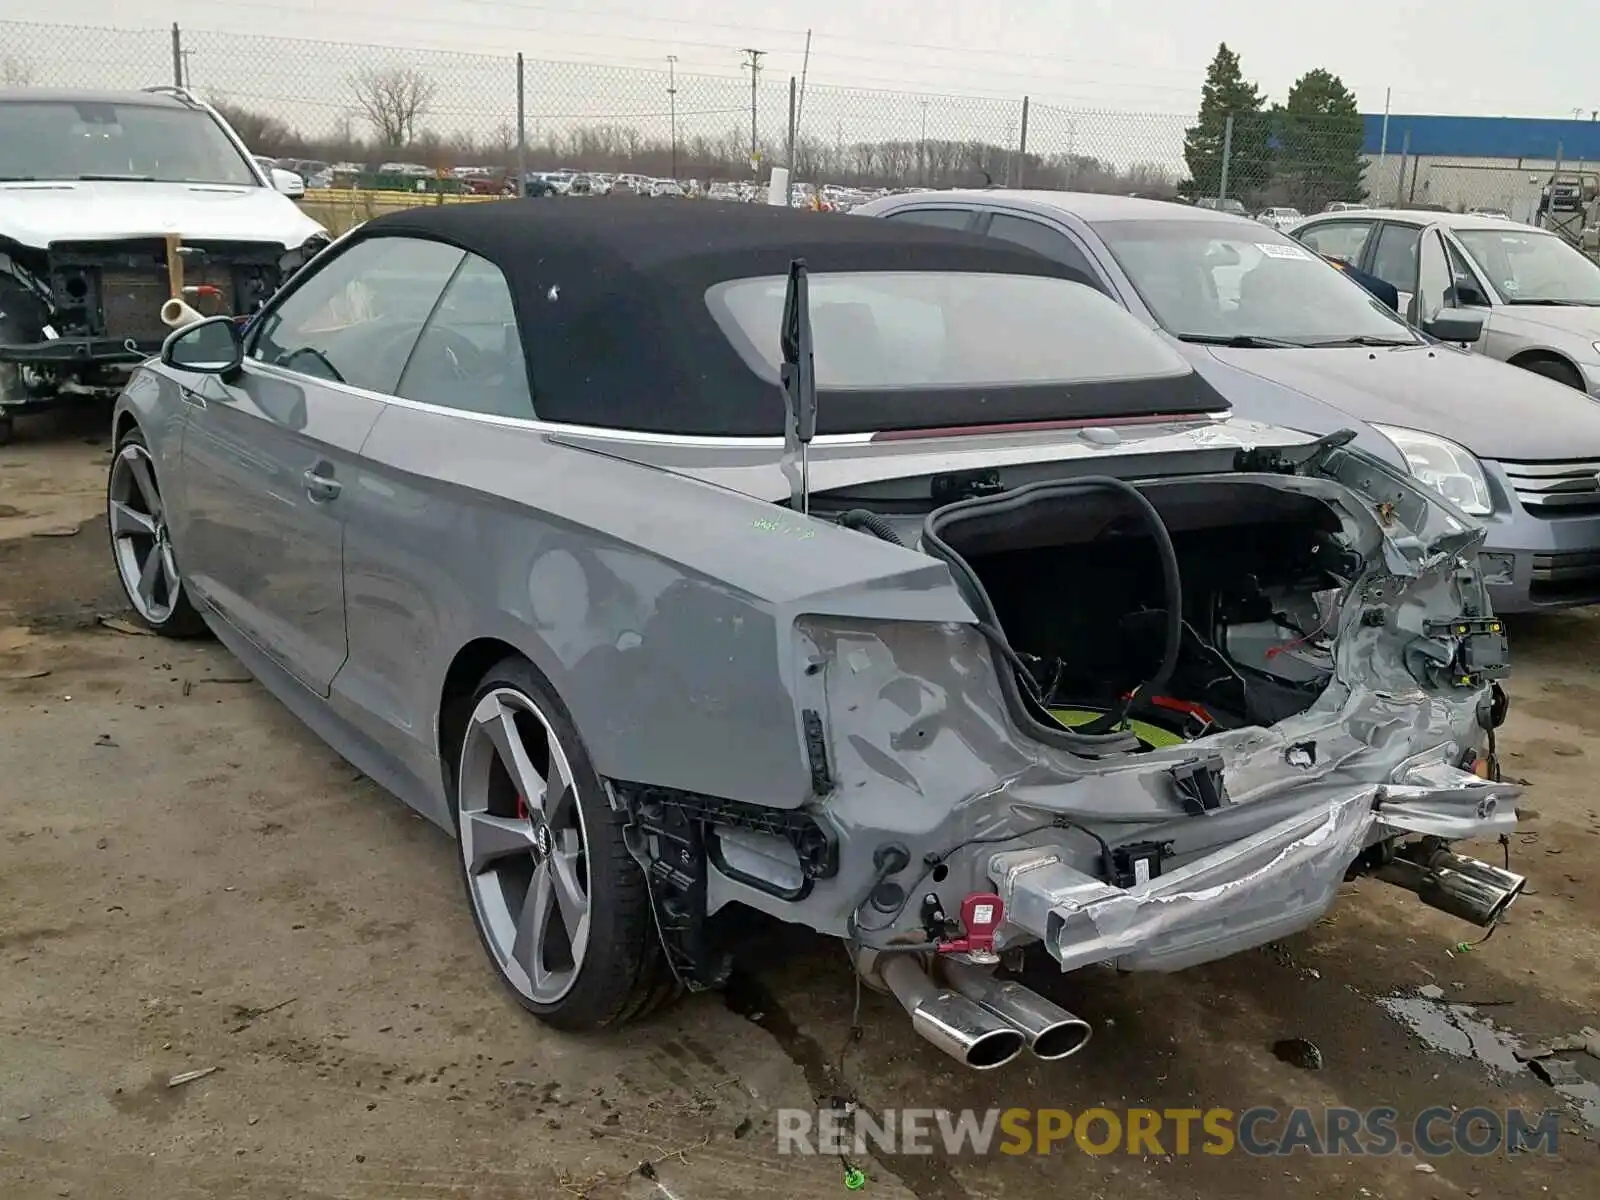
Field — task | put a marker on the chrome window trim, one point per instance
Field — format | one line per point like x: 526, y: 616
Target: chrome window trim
x: 554, y: 428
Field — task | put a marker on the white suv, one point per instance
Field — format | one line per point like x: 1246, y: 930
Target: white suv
x: 112, y: 203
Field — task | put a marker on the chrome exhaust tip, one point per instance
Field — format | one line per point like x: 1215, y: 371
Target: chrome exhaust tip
x: 948, y: 1020
x: 1464, y: 887
x: 1049, y: 1030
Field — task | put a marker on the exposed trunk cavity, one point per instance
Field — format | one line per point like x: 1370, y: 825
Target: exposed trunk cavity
x: 1071, y: 577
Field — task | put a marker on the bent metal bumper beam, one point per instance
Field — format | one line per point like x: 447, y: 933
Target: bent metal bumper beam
x: 1249, y: 892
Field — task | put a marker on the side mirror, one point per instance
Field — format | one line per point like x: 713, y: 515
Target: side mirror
x: 1455, y: 325
x: 288, y: 183
x: 213, y: 346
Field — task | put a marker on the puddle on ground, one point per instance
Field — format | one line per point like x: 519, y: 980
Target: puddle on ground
x: 1463, y: 1031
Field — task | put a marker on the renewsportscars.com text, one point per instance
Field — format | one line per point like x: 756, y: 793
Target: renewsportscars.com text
x: 1258, y: 1132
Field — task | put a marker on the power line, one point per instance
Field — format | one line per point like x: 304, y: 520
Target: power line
x: 944, y: 70
x: 634, y: 17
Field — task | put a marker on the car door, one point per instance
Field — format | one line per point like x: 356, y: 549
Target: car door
x: 266, y: 458
x: 465, y: 379
x: 1393, y: 259
x: 1468, y: 291
x: 1435, y: 284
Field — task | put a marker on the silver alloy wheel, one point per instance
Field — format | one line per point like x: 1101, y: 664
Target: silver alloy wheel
x: 525, y: 846
x: 139, y: 537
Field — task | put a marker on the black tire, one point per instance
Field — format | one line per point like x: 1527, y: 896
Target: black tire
x: 1555, y: 368
x: 10, y: 385
x: 624, y: 974
x: 179, y: 618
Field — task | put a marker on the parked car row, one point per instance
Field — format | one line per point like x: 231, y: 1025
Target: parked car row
x: 1288, y: 339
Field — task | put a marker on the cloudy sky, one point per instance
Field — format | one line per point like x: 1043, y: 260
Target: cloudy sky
x: 1467, y: 56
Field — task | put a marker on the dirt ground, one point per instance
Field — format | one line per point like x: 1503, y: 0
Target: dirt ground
x: 189, y: 880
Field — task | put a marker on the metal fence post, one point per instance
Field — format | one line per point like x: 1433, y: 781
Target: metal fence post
x: 1022, y: 145
x: 1227, y: 158
x: 522, y: 130
x: 794, y: 97
x: 1405, y: 160
x: 177, y: 56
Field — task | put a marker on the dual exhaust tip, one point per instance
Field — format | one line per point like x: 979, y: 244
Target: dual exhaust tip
x: 983, y: 1022
x: 978, y: 1020
x: 1464, y: 887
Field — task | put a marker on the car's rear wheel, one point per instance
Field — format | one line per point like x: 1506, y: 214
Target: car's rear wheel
x: 141, y: 543
x: 560, y: 905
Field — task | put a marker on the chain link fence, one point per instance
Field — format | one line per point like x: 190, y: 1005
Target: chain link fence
x: 370, y: 105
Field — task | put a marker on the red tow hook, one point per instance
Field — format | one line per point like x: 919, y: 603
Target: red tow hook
x: 981, y: 914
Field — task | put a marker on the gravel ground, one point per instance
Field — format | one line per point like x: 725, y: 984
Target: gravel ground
x: 189, y: 881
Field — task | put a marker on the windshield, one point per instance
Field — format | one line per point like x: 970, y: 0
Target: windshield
x: 892, y: 330
x: 1527, y: 267
x: 64, y: 139
x: 1221, y: 280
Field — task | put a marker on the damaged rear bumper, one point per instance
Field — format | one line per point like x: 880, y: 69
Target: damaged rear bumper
x: 1266, y: 885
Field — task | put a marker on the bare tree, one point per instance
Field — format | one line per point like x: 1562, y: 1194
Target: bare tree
x: 394, y: 100
x: 264, y: 134
x: 504, y: 144
x: 618, y: 147
x: 15, y: 72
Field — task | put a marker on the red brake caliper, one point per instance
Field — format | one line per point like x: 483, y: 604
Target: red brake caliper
x: 522, y: 807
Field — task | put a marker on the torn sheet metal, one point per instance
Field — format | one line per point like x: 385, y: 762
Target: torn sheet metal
x: 1247, y: 893
x: 1439, y: 800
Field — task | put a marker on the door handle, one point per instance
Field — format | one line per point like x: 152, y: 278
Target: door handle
x: 320, y: 488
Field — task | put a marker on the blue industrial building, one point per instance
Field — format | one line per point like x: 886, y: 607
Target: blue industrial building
x: 1512, y: 138
x: 1461, y: 163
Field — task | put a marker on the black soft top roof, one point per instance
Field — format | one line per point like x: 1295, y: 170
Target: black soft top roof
x: 610, y: 298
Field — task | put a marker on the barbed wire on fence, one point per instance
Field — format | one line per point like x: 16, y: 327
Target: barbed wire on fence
x: 339, y: 101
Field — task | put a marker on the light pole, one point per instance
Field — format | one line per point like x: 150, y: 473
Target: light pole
x: 672, y: 108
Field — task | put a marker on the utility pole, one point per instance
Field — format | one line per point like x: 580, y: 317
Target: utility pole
x: 794, y: 115
x: 800, y: 102
x: 922, y: 147
x: 522, y: 128
x: 672, y: 106
x: 754, y: 63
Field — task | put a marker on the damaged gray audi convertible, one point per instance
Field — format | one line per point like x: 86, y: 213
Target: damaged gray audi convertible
x: 686, y: 557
